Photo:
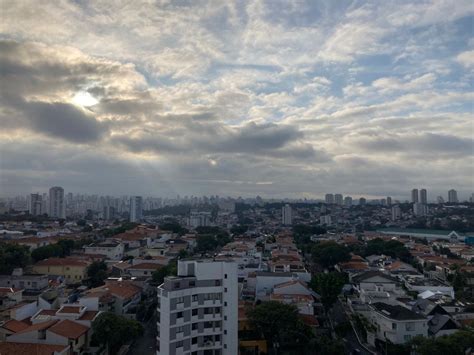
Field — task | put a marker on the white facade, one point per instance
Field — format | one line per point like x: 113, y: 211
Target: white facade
x: 112, y: 250
x: 396, y: 213
x: 396, y: 324
x: 198, y: 309
x: 286, y: 217
x: 57, y: 207
x: 136, y: 208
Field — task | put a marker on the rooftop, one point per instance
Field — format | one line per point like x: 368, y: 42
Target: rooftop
x: 69, y: 329
x: 396, y: 312
x: 8, y: 348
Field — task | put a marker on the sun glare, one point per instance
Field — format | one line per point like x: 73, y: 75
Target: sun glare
x: 84, y: 99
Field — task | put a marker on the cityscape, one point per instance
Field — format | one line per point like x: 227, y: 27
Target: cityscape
x: 225, y: 177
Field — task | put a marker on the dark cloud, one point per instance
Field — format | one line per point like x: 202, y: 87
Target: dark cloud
x: 420, y: 144
x: 63, y: 121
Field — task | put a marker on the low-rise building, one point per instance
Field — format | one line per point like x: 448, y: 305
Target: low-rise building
x: 71, y: 269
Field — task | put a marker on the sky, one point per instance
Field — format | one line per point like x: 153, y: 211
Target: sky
x: 237, y: 98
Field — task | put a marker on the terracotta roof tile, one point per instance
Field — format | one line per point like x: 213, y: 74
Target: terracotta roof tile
x: 28, y: 348
x: 38, y: 326
x: 15, y: 325
x: 69, y: 329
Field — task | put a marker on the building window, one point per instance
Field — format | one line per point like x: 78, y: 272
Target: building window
x: 394, y: 325
x: 225, y: 276
x: 208, y: 311
x: 194, y: 340
x: 179, y: 329
x: 179, y: 344
x: 194, y: 312
x: 225, y: 317
x: 195, y: 298
x: 410, y: 327
x: 217, y: 310
x: 218, y: 282
x: 179, y: 300
x: 179, y: 315
x: 194, y: 326
x: 192, y: 283
x: 225, y: 304
x: 225, y: 289
x: 176, y: 285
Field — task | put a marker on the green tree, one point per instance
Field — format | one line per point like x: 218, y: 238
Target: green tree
x: 328, y: 286
x: 454, y: 344
x: 48, y: 251
x: 280, y: 323
x: 13, y: 256
x: 328, y: 254
x: 112, y: 331
x: 97, y: 273
x: 159, y: 275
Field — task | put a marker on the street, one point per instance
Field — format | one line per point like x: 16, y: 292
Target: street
x: 146, y: 344
x: 350, y: 340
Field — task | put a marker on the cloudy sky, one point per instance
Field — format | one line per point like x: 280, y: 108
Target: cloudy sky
x: 277, y: 98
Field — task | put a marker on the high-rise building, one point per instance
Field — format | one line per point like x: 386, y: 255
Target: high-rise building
x: 414, y: 196
x: 136, y: 208
x: 420, y: 209
x: 57, y: 207
x: 389, y: 201
x: 348, y: 201
x: 423, y: 196
x: 471, y: 199
x: 200, y: 219
x: 396, y: 213
x: 286, y: 217
x: 362, y: 201
x: 35, y: 204
x: 198, y: 309
x: 338, y: 199
x: 329, y: 199
x: 325, y: 220
x: 440, y: 200
x: 452, y: 196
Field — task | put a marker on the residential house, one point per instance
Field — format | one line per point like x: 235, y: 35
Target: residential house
x: 71, y: 269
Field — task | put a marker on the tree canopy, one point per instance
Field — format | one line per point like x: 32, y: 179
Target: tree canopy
x: 114, y: 331
x: 97, y: 273
x: 393, y: 248
x: 159, y: 275
x: 280, y: 323
x: 454, y: 344
x: 61, y: 249
x: 13, y: 256
x: 328, y: 254
x: 328, y: 286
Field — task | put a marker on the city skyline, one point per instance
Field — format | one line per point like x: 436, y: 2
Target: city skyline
x: 277, y: 99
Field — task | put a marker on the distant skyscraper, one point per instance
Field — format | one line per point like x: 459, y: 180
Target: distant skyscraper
x: 423, y: 196
x: 389, y: 201
x: 286, y: 217
x: 362, y: 201
x: 396, y: 213
x: 414, y: 196
x: 136, y: 208
x: 471, y: 199
x: 440, y: 200
x: 348, y: 201
x: 338, y: 199
x: 57, y: 207
x: 35, y: 204
x: 452, y: 196
x: 329, y: 199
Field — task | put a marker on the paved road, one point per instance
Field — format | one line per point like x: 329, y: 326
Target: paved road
x: 350, y: 340
x: 146, y: 344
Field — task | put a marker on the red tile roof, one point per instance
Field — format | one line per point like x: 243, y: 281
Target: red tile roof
x: 89, y: 315
x: 38, y: 326
x: 5, y: 290
x: 15, y: 325
x: 62, y: 262
x: 30, y: 349
x: 71, y: 309
x: 69, y: 329
x: 146, y: 266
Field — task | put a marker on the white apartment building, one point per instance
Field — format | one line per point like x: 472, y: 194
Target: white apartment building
x: 57, y: 207
x: 198, y: 309
x: 286, y: 217
x: 34, y: 204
